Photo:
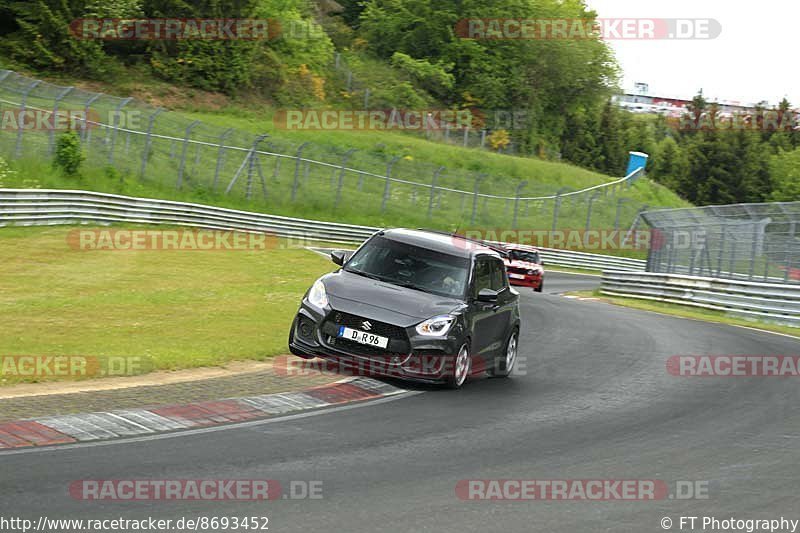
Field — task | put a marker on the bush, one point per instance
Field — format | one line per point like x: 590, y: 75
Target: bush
x: 69, y: 155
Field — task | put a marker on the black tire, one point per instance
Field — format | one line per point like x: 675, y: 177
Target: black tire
x: 540, y: 287
x: 458, y: 374
x: 504, y: 365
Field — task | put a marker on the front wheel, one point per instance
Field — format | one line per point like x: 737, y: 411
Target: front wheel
x: 461, y: 368
x: 540, y: 287
x: 502, y: 368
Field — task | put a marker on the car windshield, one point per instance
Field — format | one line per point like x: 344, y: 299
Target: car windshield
x: 411, y: 266
x: 524, y: 255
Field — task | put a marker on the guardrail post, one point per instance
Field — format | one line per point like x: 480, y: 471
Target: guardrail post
x: 433, y: 189
x: 57, y: 101
x: 182, y: 165
x: 516, y: 203
x: 475, y: 195
x: 220, y: 158
x: 117, y: 110
x: 297, y: 169
x: 345, y: 158
x: 22, y: 106
x: 387, y: 184
x: 148, y: 140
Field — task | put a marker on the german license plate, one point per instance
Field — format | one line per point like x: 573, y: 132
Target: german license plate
x: 363, y: 337
x: 516, y: 276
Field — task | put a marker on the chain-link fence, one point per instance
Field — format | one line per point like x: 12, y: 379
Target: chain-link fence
x: 170, y: 151
x: 364, y: 97
x: 756, y: 242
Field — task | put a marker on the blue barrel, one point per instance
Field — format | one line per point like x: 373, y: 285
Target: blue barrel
x: 636, y: 161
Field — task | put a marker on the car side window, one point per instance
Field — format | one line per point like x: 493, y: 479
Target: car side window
x: 483, y: 277
x: 499, y: 278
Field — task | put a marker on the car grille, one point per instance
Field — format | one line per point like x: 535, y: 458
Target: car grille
x: 398, y: 340
x: 517, y: 270
x: 378, y: 328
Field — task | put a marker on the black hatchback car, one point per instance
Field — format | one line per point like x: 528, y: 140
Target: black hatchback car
x: 413, y: 304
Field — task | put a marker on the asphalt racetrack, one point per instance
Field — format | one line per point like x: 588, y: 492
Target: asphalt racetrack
x: 592, y: 400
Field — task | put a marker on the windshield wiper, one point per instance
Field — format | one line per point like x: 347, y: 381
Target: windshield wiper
x: 365, y: 274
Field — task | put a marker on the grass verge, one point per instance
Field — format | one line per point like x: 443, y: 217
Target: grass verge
x: 180, y: 309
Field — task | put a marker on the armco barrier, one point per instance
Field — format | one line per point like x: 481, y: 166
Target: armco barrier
x: 26, y: 207
x: 772, y: 301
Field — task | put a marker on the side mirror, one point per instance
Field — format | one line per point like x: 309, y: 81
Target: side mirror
x: 541, y: 262
x: 487, y: 295
x: 340, y: 257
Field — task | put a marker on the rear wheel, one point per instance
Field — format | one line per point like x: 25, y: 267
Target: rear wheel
x: 503, y: 367
x: 462, y: 364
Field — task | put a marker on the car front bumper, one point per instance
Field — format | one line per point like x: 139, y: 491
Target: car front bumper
x: 414, y: 357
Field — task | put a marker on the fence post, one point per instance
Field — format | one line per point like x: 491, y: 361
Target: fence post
x: 433, y: 189
x: 28, y: 89
x: 182, y: 165
x: 557, y: 206
x: 387, y: 184
x: 57, y: 101
x: 466, y: 136
x: 345, y: 157
x: 148, y: 139
x: 220, y: 158
x: 475, y: 194
x: 620, y: 201
x: 521, y: 186
x: 641, y: 210
x: 117, y: 109
x: 592, y: 198
x: 297, y: 166
x: 789, y: 255
x: 253, y: 156
x: 483, y: 138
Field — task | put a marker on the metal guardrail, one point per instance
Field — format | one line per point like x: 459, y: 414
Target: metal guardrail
x: 774, y: 302
x: 24, y: 207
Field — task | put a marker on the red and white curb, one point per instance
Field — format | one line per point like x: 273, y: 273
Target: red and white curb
x: 65, y: 429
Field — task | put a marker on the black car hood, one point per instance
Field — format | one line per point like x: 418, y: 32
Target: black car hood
x: 385, y: 302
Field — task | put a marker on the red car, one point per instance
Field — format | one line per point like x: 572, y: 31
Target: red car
x: 524, y: 266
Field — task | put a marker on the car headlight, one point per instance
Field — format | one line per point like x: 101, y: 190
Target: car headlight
x: 317, y: 295
x: 437, y: 326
